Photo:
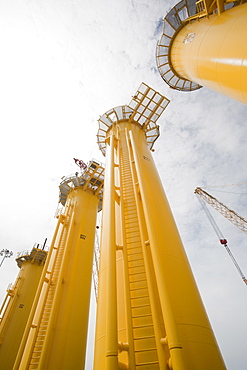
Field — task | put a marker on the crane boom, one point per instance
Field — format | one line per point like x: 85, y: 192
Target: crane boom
x: 231, y: 215
x: 204, y: 196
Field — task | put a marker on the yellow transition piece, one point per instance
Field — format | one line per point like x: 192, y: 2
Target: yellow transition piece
x: 149, y: 314
x: 18, y: 304
x: 212, y: 51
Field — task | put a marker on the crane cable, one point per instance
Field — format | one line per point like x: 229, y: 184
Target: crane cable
x: 96, y: 257
x: 222, y: 240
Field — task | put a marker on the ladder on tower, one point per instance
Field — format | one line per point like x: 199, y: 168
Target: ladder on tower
x: 37, y: 328
x: 146, y: 356
x: 43, y: 324
x: 8, y: 303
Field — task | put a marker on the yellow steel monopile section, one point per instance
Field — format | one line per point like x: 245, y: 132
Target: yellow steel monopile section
x: 204, y: 43
x: 18, y: 303
x: 56, y: 332
x: 149, y: 314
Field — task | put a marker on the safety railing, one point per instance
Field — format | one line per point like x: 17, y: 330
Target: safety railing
x: 173, y: 21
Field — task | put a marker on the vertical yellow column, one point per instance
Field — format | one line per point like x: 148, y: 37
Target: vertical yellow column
x: 164, y: 319
x: 106, y: 351
x: 212, y: 51
x: 189, y: 335
x: 66, y: 335
x: 159, y: 328
x: 39, y: 292
x: 21, y: 297
x: 56, y: 333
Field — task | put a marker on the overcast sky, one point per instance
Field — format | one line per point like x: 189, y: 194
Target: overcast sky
x: 66, y: 62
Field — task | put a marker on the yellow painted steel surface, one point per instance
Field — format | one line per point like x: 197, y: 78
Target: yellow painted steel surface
x: 107, y: 351
x: 15, y: 317
x: 212, y: 51
x: 57, y: 333
x: 161, y: 321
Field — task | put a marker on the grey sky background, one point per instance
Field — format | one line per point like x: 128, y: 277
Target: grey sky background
x: 66, y: 62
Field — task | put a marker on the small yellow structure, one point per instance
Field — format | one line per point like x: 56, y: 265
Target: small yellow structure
x: 149, y: 314
x: 204, y: 43
x: 17, y: 305
x: 56, y: 332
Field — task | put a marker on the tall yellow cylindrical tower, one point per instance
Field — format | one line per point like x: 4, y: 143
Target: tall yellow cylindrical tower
x: 150, y: 314
x: 18, y: 303
x: 56, y: 333
x: 204, y: 43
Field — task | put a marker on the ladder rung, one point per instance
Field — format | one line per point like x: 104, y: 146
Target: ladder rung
x: 138, y: 281
x: 132, y: 247
x: 135, y: 265
x: 129, y: 201
x: 136, y: 243
x: 136, y: 259
x: 143, y: 326
x: 133, y: 254
x: 132, y: 229
x: 141, y: 305
x: 145, y: 337
x: 139, y: 288
x: 128, y: 195
x: 133, y: 244
x: 143, y: 315
x: 146, y: 350
x: 129, y: 214
x: 127, y: 205
x: 131, y: 221
x: 128, y: 191
x: 137, y: 273
x: 148, y: 363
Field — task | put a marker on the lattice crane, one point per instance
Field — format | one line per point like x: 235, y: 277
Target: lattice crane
x: 231, y: 215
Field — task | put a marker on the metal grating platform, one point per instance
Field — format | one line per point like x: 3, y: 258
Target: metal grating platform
x: 92, y: 178
x: 145, y: 108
